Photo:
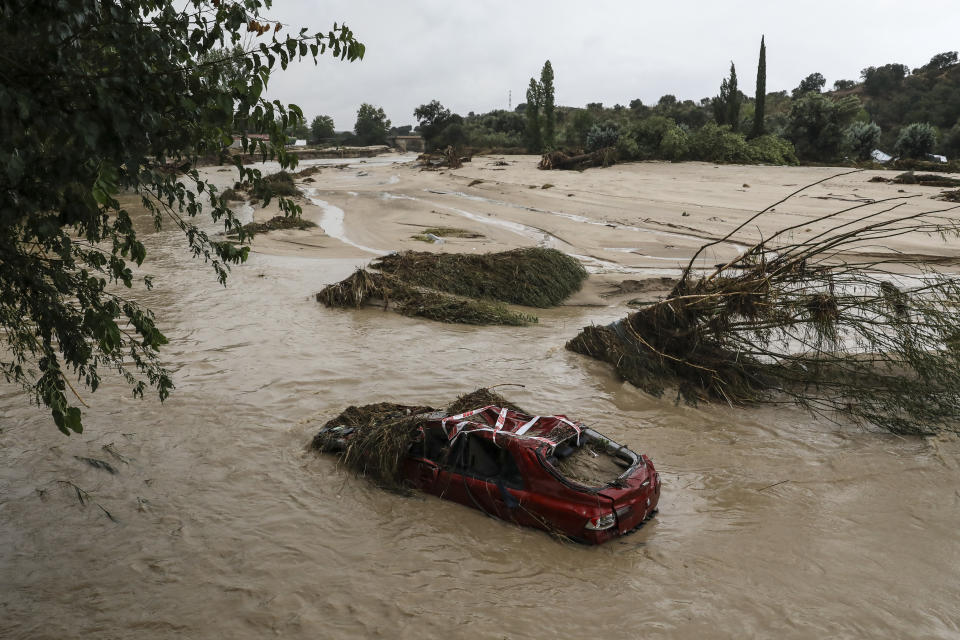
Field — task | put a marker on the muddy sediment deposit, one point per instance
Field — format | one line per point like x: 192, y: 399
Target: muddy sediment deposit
x: 771, y: 524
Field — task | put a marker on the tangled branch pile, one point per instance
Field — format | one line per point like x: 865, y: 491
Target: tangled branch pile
x: 578, y: 161
x: 925, y: 180
x: 277, y: 223
x: 384, y: 431
x: 462, y: 288
x: 876, y: 339
x: 450, y: 158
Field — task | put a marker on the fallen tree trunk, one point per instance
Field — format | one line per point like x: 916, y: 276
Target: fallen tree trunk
x: 579, y: 162
x: 876, y: 340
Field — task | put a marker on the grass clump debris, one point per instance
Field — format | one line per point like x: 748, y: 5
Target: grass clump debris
x: 461, y: 288
x: 926, y: 180
x: 533, y: 277
x: 277, y: 223
x: 445, y: 232
x: 365, y: 287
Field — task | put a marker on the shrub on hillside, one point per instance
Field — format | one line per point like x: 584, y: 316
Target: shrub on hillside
x: 770, y: 149
x: 675, y: 144
x: 816, y: 125
x: 916, y: 140
x: 861, y: 138
x: 950, y: 144
x: 627, y: 148
x: 648, y: 133
x: 602, y: 136
x: 715, y: 143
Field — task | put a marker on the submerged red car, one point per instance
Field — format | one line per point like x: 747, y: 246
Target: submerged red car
x: 547, y: 472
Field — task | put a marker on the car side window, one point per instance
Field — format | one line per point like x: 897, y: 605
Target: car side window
x: 481, y: 458
x: 436, y: 446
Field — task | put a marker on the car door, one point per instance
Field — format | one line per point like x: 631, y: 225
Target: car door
x: 473, y: 476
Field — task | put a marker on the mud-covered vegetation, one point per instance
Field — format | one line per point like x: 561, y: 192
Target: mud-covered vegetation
x: 366, y: 287
x: 276, y: 184
x: 926, y: 180
x: 445, y: 232
x: 787, y: 320
x: 278, y: 223
x: 461, y: 288
x: 533, y: 277
x: 384, y: 432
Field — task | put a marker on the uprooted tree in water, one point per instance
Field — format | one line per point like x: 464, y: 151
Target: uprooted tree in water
x: 462, y: 288
x: 578, y: 161
x: 874, y: 337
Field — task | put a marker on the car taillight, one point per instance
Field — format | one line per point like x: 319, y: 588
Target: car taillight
x: 601, y: 523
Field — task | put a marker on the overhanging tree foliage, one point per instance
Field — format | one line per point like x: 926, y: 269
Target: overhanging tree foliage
x: 99, y: 98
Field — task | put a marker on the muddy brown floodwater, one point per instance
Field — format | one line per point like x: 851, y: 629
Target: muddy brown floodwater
x: 771, y: 524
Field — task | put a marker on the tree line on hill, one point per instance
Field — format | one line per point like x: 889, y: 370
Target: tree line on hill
x: 907, y: 113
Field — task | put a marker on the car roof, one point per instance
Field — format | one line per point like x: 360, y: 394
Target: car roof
x: 496, y: 423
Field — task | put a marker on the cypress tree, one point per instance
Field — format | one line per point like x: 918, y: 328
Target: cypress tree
x: 733, y: 101
x: 549, y: 109
x: 761, y: 98
x: 534, y: 102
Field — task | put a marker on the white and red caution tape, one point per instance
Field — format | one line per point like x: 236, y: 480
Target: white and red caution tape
x: 502, y: 415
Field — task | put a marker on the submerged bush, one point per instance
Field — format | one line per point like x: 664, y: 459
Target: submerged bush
x: 364, y: 287
x: 534, y: 277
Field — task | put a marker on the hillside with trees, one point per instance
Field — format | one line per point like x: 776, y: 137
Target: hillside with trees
x: 905, y: 113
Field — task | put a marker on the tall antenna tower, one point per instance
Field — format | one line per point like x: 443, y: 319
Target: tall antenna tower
x: 510, y: 100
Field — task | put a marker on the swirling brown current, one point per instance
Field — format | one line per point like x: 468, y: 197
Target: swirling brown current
x: 771, y: 524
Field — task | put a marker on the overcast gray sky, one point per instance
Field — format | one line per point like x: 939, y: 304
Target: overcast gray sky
x: 469, y: 55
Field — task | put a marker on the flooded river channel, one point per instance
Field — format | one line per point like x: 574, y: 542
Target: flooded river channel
x: 222, y: 525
